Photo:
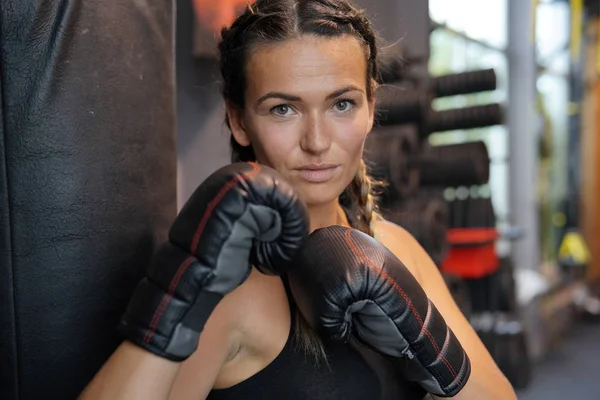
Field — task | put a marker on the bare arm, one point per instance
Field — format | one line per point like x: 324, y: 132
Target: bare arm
x: 188, y: 279
x: 198, y: 374
x: 486, y: 380
x: 132, y: 373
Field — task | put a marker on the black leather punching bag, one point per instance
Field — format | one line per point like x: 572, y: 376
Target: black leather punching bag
x: 87, y: 180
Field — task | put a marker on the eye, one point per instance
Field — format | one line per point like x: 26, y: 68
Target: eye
x: 344, y: 105
x: 281, y: 110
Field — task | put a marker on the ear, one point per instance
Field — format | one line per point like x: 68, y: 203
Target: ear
x: 236, y: 124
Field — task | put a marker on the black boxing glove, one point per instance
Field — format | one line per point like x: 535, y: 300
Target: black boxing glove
x: 350, y: 286
x: 244, y: 214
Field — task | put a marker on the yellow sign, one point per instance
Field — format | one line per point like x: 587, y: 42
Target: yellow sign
x: 534, y: 6
x: 576, y: 28
x: 573, y: 249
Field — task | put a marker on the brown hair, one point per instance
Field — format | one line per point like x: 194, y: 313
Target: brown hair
x: 268, y: 21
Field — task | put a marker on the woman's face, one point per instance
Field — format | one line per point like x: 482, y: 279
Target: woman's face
x: 307, y: 113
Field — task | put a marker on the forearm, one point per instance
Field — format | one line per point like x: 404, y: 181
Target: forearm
x: 132, y: 373
x: 485, y: 383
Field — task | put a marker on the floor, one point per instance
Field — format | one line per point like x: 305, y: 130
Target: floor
x: 571, y: 371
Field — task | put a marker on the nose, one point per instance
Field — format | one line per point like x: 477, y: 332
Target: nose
x: 315, y: 138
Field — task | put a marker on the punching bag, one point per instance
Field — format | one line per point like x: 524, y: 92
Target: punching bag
x: 87, y: 180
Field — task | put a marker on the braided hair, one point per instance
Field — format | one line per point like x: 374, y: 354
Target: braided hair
x: 272, y: 21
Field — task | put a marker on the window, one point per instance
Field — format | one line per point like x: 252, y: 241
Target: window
x: 552, y: 44
x: 481, y: 20
x: 472, y: 36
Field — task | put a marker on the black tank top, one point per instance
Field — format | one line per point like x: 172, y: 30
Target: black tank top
x: 352, y: 372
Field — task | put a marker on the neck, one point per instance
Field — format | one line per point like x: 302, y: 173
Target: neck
x: 324, y: 215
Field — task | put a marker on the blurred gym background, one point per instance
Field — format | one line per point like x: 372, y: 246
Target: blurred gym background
x: 487, y: 133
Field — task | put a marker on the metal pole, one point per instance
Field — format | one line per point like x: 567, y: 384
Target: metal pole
x: 523, y: 137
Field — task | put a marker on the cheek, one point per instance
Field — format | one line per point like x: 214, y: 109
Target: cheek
x: 351, y: 135
x: 275, y: 142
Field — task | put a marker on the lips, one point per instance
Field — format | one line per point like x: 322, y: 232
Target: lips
x: 318, y: 173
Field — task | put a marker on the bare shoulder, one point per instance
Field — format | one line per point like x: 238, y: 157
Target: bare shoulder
x: 260, y: 325
x: 242, y: 315
x: 400, y: 242
x: 262, y: 309
x: 232, y: 335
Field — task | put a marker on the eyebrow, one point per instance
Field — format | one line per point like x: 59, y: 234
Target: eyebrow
x: 287, y: 97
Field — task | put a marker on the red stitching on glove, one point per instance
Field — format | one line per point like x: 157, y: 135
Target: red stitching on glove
x: 183, y: 267
x: 390, y: 280
x: 167, y: 298
x: 213, y: 204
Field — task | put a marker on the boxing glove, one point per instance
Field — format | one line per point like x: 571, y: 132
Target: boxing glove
x: 244, y: 214
x: 349, y: 286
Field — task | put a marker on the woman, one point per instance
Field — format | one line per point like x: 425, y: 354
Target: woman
x: 299, y: 87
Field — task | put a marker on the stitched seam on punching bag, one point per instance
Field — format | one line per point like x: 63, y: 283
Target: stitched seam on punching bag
x: 9, y: 222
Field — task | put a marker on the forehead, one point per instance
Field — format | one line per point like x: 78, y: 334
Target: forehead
x: 307, y: 64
